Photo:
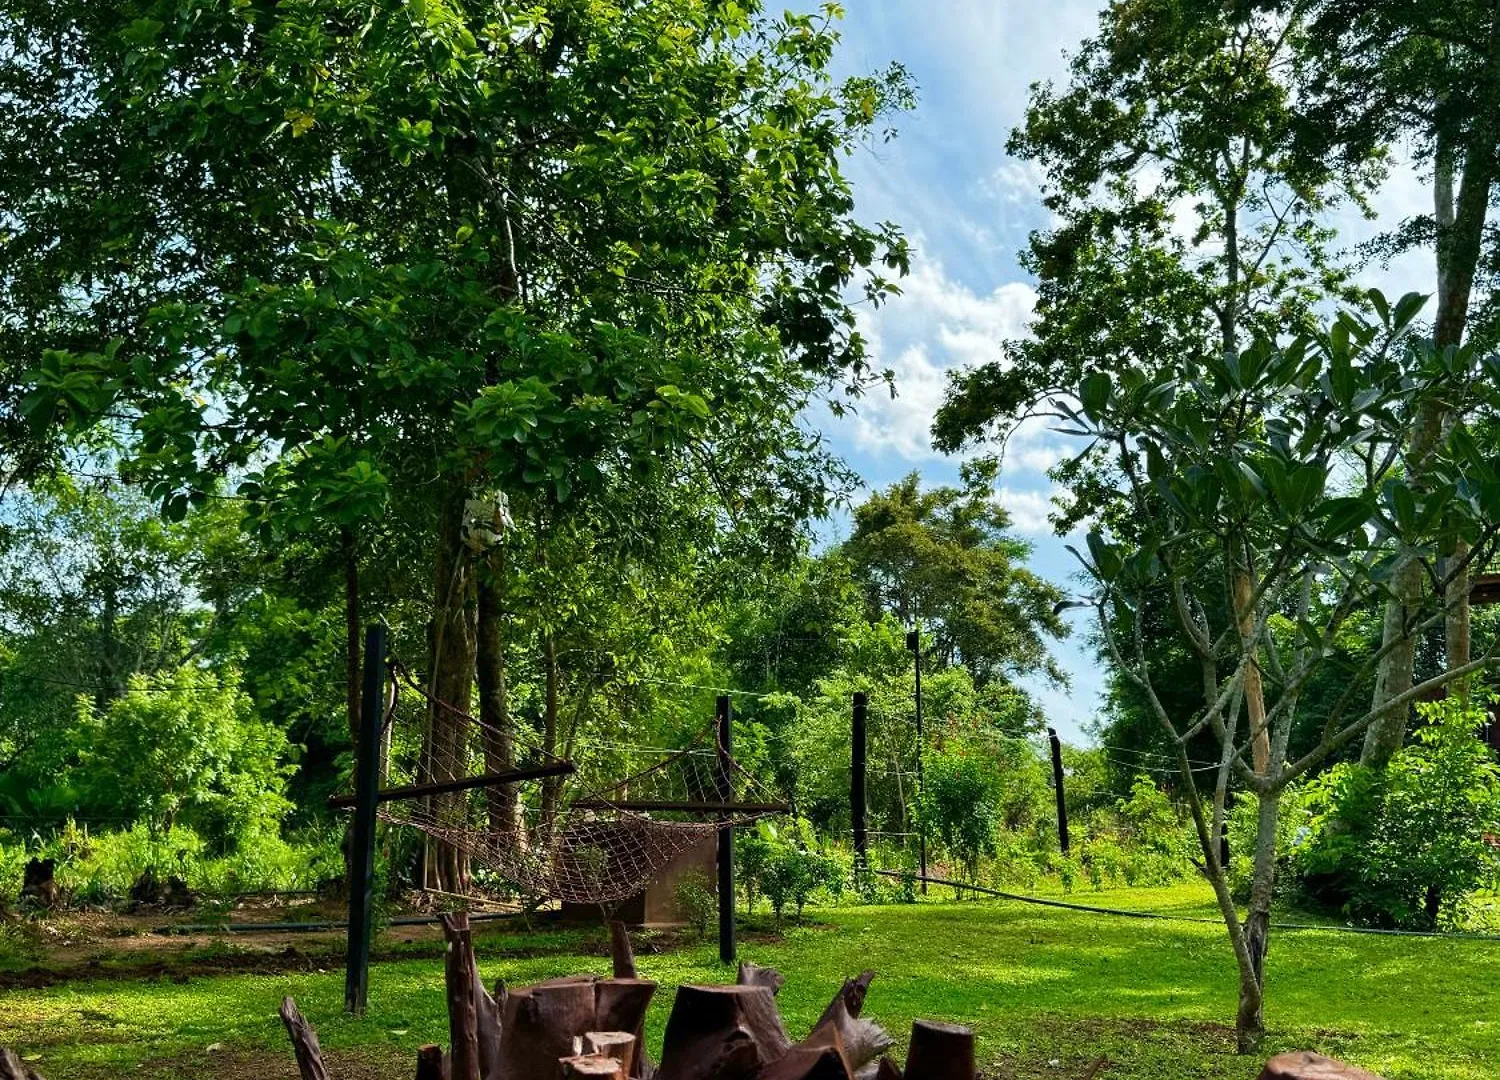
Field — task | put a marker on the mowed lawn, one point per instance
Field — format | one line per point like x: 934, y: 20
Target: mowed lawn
x: 1048, y: 991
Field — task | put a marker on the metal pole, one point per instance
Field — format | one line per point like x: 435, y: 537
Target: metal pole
x: 914, y: 643
x: 1057, y: 786
x: 857, y: 780
x: 726, y: 834
x: 362, y: 829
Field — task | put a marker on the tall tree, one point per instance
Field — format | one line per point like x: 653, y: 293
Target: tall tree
x: 945, y: 560
x: 1428, y: 75
x: 442, y: 249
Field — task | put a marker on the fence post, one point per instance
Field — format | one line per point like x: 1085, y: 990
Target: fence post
x: 362, y: 829
x: 1057, y: 784
x: 857, y: 780
x: 726, y: 833
x: 914, y: 643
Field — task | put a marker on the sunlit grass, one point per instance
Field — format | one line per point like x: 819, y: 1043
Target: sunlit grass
x: 1039, y: 985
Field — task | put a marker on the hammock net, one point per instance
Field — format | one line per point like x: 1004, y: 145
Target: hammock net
x: 561, y: 836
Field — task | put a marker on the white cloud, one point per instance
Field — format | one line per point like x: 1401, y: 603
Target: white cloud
x: 936, y: 325
x: 1028, y: 509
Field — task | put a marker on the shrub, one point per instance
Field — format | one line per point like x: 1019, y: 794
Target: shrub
x: 697, y: 899
x: 1402, y: 846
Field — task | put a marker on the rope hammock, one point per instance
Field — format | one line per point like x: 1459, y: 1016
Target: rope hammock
x: 560, y: 838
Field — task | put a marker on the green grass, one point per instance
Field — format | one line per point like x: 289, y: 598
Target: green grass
x: 1039, y: 985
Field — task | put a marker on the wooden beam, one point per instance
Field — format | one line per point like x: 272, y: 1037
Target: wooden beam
x: 645, y: 806
x: 416, y: 791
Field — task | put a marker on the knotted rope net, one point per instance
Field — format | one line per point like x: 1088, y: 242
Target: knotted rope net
x: 556, y: 833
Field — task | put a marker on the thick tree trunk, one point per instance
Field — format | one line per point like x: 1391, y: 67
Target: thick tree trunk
x: 452, y: 683
x: 494, y: 704
x: 1250, y: 1021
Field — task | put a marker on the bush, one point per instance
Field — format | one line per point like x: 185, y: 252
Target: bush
x: 1406, y: 846
x: 788, y: 868
x: 697, y: 899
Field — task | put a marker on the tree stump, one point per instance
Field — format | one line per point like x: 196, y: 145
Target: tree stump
x: 13, y: 1068
x: 619, y: 1045
x: 862, y: 1041
x: 940, y: 1052
x: 755, y: 975
x: 622, y: 956
x: 38, y: 885
x: 722, y: 1033
x: 585, y: 1067
x: 430, y: 1063
x: 304, y: 1042
x: 1306, y: 1065
x: 462, y: 983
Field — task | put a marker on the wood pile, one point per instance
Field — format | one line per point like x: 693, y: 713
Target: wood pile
x: 585, y: 1027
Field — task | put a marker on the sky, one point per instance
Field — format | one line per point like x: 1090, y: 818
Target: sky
x: 967, y: 208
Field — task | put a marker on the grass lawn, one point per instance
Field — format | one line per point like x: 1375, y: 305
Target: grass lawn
x: 1048, y: 991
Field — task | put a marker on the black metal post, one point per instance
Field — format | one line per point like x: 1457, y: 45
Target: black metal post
x: 362, y: 829
x: 1057, y: 785
x: 914, y: 643
x: 726, y: 834
x: 857, y: 780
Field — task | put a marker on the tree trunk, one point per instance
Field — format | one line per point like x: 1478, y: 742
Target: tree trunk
x: 1255, y: 695
x: 552, y: 785
x: 1250, y: 1021
x: 452, y: 682
x: 494, y: 704
x: 349, y: 556
x: 1460, y: 236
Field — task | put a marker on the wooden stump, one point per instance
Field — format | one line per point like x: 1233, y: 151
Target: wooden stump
x: 430, y: 1063
x: 461, y: 982
x: 862, y: 1041
x: 852, y: 994
x: 940, y: 1052
x: 13, y: 1068
x: 886, y: 1070
x: 304, y: 1042
x: 540, y: 1025
x: 755, y: 975
x: 722, y: 1033
x: 1306, y: 1065
x: 622, y: 957
x: 620, y: 1005
x: 585, y: 1067
x: 619, y: 1045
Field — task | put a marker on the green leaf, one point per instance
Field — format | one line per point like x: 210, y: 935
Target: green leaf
x: 1094, y: 393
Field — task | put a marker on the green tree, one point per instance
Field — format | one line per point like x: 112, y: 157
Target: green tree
x: 184, y: 748
x: 432, y: 252
x: 1231, y: 469
x: 944, y: 560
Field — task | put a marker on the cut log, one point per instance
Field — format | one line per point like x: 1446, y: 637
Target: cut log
x: 487, y: 1012
x: 940, y: 1052
x: 620, y: 1005
x: 430, y: 1063
x: 862, y: 1041
x: 540, y: 1024
x: 13, y: 1068
x: 586, y: 1067
x: 722, y: 1033
x: 852, y: 994
x: 304, y: 1042
x: 755, y: 975
x: 622, y: 957
x: 886, y: 1069
x: 1306, y: 1065
x: 808, y: 1063
x: 461, y: 981
x: 619, y: 1045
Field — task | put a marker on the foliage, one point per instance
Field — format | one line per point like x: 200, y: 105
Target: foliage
x: 1405, y: 846
x: 960, y: 803
x: 697, y: 899
x: 945, y: 561
x: 185, y: 747
x: 787, y: 867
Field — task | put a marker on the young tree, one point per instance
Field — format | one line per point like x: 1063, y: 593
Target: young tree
x: 1280, y: 470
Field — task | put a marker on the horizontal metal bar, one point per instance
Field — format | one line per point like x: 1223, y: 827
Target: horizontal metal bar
x: 416, y: 791
x: 645, y: 806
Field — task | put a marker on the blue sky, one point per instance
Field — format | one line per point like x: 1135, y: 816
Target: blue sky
x: 968, y: 208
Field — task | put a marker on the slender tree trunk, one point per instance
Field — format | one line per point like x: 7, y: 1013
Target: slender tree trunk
x: 349, y: 554
x: 552, y: 785
x: 1250, y: 1020
x: 494, y: 703
x: 452, y: 682
x: 1255, y: 694
x: 1460, y: 235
